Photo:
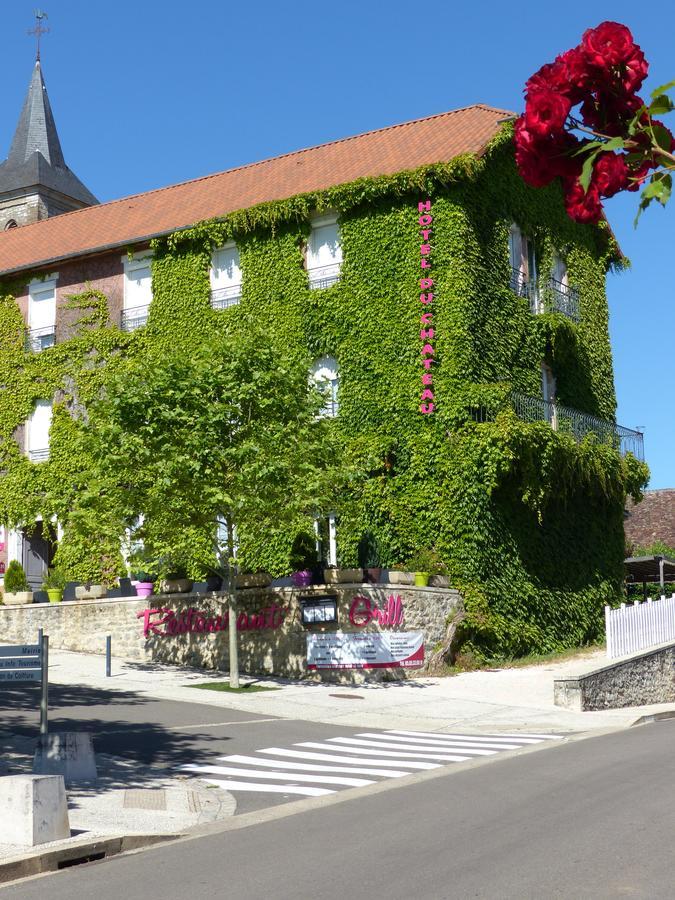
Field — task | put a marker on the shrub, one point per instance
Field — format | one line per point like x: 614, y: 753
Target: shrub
x: 303, y: 552
x: 427, y: 561
x: 15, y: 578
x: 54, y: 580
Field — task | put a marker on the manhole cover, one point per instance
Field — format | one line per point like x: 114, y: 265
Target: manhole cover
x: 144, y: 799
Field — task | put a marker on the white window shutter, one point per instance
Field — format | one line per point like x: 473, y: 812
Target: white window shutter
x: 37, y: 438
x: 324, y: 252
x: 42, y: 304
x: 225, y: 277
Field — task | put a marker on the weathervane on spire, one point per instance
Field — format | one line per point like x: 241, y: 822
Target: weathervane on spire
x: 38, y: 31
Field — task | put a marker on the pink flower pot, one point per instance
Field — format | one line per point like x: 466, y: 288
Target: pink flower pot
x: 144, y: 588
x: 301, y: 579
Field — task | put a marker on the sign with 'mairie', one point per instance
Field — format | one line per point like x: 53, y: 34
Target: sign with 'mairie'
x: 22, y: 663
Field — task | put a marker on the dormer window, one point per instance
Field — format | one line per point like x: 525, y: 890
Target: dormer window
x: 225, y: 277
x: 325, y: 376
x: 324, y: 252
x: 137, y: 290
x: 41, y: 314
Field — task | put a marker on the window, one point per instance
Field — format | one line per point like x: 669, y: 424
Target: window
x: 225, y: 277
x: 324, y: 252
x: 523, y: 265
x: 326, y: 377
x: 37, y: 431
x: 560, y: 272
x: 548, y: 389
x: 41, y: 314
x: 137, y: 290
x: 11, y: 224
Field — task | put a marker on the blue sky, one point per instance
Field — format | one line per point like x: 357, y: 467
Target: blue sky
x: 147, y: 94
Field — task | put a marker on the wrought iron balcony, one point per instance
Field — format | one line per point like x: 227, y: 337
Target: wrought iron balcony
x: 131, y: 319
x: 567, y: 420
x: 324, y: 276
x: 38, y: 339
x: 545, y: 296
x: 223, y: 298
x: 39, y: 455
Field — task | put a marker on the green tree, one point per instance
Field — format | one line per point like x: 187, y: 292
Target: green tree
x: 229, y: 434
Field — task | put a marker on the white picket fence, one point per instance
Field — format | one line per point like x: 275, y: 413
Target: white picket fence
x: 638, y: 626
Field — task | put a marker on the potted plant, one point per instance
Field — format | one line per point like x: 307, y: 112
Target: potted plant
x: 17, y: 591
x: 176, y: 580
x: 370, y: 557
x: 425, y: 563
x: 253, y: 580
x: 54, y: 583
x: 342, y: 576
x: 143, y: 582
x: 90, y: 591
x: 302, y: 559
x: 400, y: 574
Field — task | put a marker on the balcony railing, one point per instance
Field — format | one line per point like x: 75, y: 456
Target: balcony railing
x: 136, y: 317
x: 39, y: 455
x: 545, y: 296
x: 324, y: 276
x: 567, y: 420
x: 38, y: 339
x: 223, y: 298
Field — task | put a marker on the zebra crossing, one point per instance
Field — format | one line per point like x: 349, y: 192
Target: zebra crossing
x: 317, y: 768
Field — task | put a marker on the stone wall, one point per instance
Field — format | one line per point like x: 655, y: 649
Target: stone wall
x: 282, y: 650
x: 647, y: 677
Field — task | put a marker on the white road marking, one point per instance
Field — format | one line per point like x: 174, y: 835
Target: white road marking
x: 280, y: 776
x: 284, y: 764
x: 219, y: 724
x: 231, y: 785
x: 473, y: 738
x: 401, y: 754
x: 327, y: 757
x: 433, y: 745
x: 412, y: 750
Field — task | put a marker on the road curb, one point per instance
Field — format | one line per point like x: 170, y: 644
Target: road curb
x: 74, y: 854
x: 654, y: 717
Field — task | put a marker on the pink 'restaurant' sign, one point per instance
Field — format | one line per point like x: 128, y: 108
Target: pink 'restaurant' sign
x: 167, y: 622
x: 427, y: 331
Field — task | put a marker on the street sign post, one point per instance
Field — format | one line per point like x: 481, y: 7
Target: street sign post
x: 29, y: 662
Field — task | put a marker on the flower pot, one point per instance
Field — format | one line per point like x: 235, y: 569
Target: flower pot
x: 144, y: 588
x: 20, y: 598
x: 175, y: 586
x: 55, y: 595
x: 301, y: 579
x: 342, y: 576
x: 93, y: 592
x: 441, y: 581
x: 253, y: 580
x: 421, y: 579
x: 373, y: 574
x: 396, y: 577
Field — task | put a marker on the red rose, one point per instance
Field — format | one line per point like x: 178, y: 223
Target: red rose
x: 540, y: 160
x: 552, y: 75
x: 578, y: 73
x: 610, y: 174
x: 582, y: 206
x: 636, y: 71
x: 546, y: 111
x: 609, y: 114
x: 608, y: 45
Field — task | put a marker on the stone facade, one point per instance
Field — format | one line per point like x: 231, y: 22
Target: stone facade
x: 651, y: 520
x: 643, y: 678
x: 282, y: 650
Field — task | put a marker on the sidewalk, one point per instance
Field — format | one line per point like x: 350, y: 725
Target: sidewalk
x: 510, y: 699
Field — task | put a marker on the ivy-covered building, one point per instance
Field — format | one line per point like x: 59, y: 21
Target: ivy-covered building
x: 458, y: 317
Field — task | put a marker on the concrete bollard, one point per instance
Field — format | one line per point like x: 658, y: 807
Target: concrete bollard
x: 33, y: 809
x: 68, y: 753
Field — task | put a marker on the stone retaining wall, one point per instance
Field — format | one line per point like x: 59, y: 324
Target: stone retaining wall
x: 647, y: 677
x: 83, y: 626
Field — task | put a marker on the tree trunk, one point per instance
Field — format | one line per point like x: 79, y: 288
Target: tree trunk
x: 232, y: 611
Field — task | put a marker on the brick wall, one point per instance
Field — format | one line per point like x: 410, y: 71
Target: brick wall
x: 652, y: 520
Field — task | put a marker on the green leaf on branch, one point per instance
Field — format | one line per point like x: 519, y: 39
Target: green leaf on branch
x: 616, y: 143
x: 657, y: 92
x: 660, y: 105
x: 662, y: 137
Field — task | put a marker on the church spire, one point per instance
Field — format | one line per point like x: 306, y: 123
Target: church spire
x: 36, y: 130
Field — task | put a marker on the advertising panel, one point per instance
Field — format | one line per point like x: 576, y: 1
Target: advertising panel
x: 374, y: 650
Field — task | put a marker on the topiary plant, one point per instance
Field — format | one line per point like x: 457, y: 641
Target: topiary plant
x: 15, y: 578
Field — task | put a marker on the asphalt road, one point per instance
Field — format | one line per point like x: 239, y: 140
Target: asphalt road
x: 587, y: 819
x: 154, y: 733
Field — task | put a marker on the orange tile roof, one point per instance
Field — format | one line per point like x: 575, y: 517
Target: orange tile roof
x: 133, y: 219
